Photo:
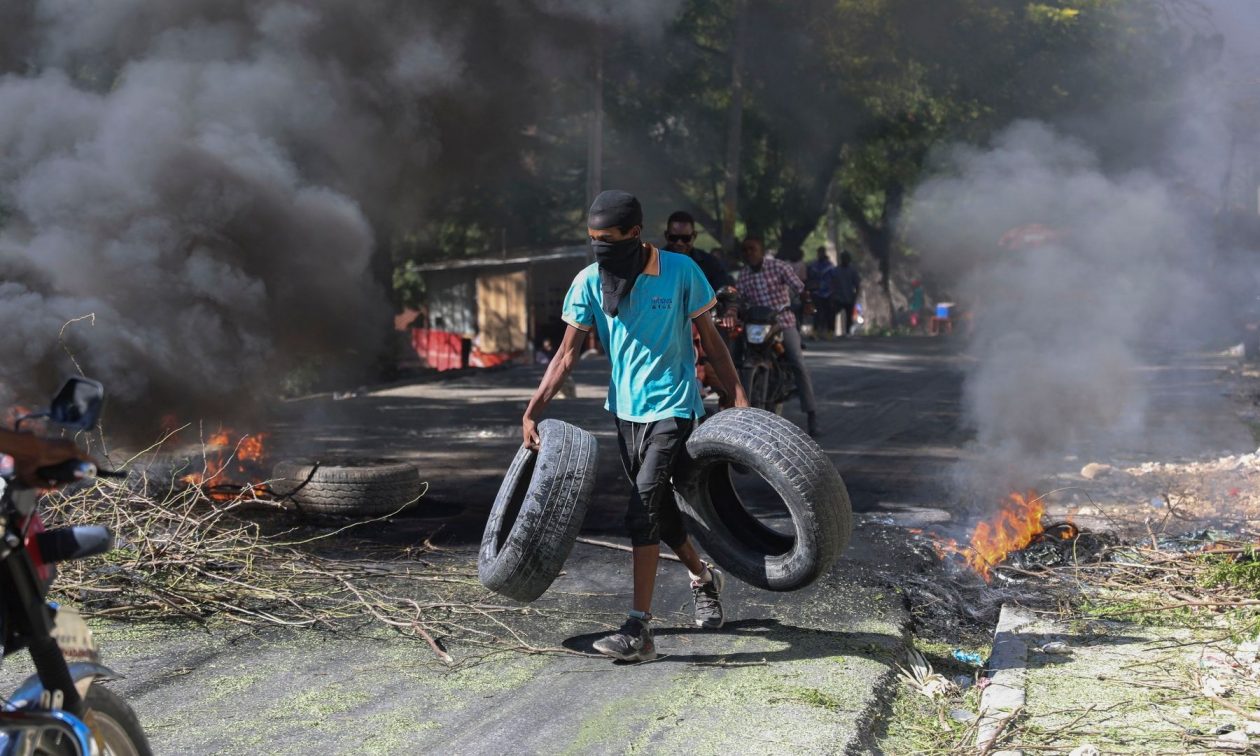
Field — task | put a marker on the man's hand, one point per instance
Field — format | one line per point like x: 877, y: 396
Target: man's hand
x: 553, y: 381
x: 727, y: 320
x: 529, y: 432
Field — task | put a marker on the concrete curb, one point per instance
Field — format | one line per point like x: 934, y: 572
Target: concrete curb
x: 1008, y: 665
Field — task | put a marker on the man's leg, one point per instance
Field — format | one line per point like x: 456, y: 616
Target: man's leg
x: 796, y: 358
x: 634, y: 640
x: 827, y: 309
x: 642, y: 464
x: 665, y: 450
x: 645, y: 560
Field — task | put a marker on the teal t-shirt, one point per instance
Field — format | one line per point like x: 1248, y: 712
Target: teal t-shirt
x: 649, y: 341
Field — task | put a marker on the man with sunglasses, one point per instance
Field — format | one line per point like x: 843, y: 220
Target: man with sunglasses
x: 680, y: 237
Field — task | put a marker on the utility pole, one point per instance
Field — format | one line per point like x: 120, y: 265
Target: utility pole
x: 734, y: 128
x: 595, y: 143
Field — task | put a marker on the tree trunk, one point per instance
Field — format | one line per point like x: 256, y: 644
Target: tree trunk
x: 595, y: 146
x: 878, y: 237
x: 734, y: 129
x: 893, y: 197
x: 790, y: 240
x: 833, y: 219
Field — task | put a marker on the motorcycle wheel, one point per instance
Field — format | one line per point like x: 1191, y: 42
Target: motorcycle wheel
x: 758, y: 387
x: 115, y: 725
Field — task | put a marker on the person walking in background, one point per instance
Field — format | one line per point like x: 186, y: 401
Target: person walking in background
x: 819, y: 282
x: 847, y: 286
x: 918, y: 301
x: 768, y: 282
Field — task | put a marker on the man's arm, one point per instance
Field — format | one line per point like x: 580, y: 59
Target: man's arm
x: 790, y: 278
x: 794, y: 283
x: 557, y: 371
x: 720, y: 358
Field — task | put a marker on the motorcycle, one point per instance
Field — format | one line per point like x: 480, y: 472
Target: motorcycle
x: 60, y: 709
x: 767, y: 378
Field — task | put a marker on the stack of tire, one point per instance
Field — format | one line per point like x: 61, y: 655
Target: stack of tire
x: 540, y: 506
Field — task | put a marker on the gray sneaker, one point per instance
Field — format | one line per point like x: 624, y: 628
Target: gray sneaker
x: 708, y: 601
x: 633, y: 642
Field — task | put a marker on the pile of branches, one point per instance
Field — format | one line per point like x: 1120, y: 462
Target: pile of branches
x: 1197, y: 574
x: 1203, y: 574
x: 182, y: 555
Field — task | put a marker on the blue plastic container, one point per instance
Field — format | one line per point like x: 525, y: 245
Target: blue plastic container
x: 943, y: 309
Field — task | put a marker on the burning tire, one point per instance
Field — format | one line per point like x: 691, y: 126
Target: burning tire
x: 348, y: 487
x: 799, y: 471
x: 538, y: 512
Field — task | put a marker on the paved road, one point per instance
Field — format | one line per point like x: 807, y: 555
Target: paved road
x: 806, y: 672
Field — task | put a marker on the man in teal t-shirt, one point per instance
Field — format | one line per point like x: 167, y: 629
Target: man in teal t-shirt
x: 642, y: 302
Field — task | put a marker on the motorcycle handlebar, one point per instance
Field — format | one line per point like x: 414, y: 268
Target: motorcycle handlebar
x: 66, y: 472
x: 74, y: 542
x: 39, y: 461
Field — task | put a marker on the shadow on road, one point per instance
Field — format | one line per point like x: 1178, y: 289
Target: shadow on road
x: 797, y: 644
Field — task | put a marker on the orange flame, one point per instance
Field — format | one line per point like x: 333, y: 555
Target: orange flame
x: 1014, y: 527
x: 231, y: 468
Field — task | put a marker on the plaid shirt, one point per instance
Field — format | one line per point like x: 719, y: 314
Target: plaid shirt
x: 772, y: 287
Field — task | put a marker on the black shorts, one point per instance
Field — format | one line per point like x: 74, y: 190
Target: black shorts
x: 649, y: 453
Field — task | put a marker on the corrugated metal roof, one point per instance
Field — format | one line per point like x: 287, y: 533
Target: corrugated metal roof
x: 559, y: 253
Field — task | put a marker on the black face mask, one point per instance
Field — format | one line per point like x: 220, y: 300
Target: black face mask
x: 620, y: 263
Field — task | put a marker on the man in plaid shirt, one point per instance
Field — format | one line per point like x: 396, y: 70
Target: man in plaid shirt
x: 768, y: 282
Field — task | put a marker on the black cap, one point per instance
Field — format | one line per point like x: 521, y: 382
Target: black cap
x: 615, y: 208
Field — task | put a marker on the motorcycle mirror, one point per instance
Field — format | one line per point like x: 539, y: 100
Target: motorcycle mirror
x: 78, y: 404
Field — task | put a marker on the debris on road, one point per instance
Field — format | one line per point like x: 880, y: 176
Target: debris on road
x: 922, y: 678
x: 1096, y: 470
x: 968, y: 657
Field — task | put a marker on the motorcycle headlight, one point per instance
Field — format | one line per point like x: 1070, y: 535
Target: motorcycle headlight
x: 757, y: 334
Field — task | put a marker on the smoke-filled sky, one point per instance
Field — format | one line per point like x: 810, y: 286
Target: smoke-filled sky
x: 1135, y: 262
x: 207, y: 177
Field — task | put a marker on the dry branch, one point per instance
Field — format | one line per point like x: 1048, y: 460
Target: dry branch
x: 181, y: 555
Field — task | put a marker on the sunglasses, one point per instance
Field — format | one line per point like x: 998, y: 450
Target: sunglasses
x: 676, y: 238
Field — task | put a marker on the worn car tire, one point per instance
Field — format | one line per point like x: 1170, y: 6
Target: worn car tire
x: 538, y: 512
x: 348, y: 487
x: 800, y: 473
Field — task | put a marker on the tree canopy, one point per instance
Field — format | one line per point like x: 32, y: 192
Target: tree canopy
x: 772, y: 115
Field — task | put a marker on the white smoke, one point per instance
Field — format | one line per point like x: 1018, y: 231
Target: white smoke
x: 1132, y: 263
